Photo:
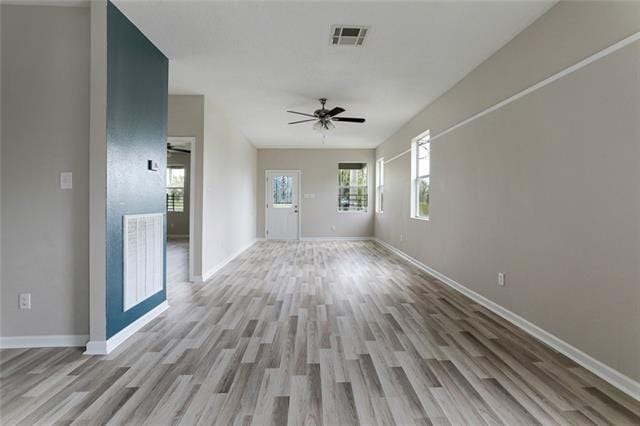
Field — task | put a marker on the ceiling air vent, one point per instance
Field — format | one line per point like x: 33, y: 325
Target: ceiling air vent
x: 348, y: 35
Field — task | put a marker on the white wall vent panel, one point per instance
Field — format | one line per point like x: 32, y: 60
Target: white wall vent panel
x: 143, y: 236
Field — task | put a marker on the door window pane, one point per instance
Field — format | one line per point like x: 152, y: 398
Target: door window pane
x: 282, y: 191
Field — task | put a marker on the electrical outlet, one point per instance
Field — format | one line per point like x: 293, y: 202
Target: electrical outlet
x: 401, y: 237
x: 501, y: 278
x: 66, y: 180
x: 333, y: 227
x: 25, y: 301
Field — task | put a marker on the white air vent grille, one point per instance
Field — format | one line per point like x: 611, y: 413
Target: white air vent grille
x: 143, y: 237
x: 348, y: 35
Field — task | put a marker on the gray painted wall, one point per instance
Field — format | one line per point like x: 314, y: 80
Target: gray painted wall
x: 45, y: 115
x: 186, y: 118
x: 228, y: 188
x: 544, y: 189
x: 320, y: 177
x: 225, y: 180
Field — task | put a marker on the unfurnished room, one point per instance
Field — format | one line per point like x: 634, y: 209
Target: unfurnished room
x: 305, y: 212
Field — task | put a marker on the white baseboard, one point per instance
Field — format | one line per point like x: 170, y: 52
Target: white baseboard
x: 614, y: 377
x: 336, y: 238
x: 204, y: 277
x: 53, y: 341
x: 102, y: 347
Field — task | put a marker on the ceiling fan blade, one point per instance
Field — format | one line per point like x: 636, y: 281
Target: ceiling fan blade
x: 173, y: 148
x: 335, y: 111
x: 303, y: 121
x: 348, y: 119
x: 301, y: 113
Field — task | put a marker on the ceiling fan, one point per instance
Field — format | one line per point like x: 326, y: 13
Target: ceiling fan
x: 174, y: 148
x: 324, y: 118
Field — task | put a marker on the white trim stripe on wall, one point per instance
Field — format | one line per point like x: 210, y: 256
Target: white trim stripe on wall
x: 575, y: 67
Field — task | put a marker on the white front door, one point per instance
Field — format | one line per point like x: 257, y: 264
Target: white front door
x: 281, y: 198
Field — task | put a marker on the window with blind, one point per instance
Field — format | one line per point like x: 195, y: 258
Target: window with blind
x: 352, y: 187
x: 175, y: 189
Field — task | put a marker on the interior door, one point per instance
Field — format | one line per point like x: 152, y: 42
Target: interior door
x: 282, y: 205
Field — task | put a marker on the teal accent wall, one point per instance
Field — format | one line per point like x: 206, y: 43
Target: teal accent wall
x: 137, y: 96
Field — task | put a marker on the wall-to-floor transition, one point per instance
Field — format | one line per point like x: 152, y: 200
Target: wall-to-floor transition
x: 45, y: 116
x: 319, y: 215
x: 544, y: 189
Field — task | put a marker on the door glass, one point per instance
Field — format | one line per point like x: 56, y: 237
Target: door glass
x: 282, y: 191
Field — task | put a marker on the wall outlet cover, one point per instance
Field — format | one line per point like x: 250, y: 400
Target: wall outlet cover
x: 66, y: 180
x: 501, y: 279
x: 24, y: 301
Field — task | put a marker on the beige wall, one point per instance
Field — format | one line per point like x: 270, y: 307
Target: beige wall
x: 186, y: 119
x: 225, y: 183
x: 544, y: 189
x: 320, y: 177
x: 45, y: 115
x: 229, y: 189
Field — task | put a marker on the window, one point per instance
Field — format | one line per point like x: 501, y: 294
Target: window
x: 352, y: 187
x: 282, y: 191
x: 420, y: 170
x: 379, y: 185
x: 175, y: 189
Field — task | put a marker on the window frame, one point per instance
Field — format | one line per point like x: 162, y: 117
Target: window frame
x: 423, y: 138
x: 167, y: 187
x: 365, y: 186
x: 380, y: 185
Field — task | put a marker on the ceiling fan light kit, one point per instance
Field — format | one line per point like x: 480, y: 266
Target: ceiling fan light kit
x: 324, y: 118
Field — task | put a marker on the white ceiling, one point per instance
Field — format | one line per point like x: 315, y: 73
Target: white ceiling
x: 257, y: 59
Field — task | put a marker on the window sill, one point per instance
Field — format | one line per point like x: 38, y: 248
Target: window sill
x: 423, y: 219
x: 352, y: 211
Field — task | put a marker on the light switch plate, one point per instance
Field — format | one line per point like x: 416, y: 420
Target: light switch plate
x: 66, y: 180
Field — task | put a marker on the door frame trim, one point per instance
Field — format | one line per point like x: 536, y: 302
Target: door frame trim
x: 191, y: 140
x: 266, y: 192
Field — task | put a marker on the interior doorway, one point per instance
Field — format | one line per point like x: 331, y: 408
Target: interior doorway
x: 282, y: 191
x: 179, y: 194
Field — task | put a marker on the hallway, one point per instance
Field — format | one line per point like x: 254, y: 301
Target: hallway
x: 177, y: 261
x: 313, y: 332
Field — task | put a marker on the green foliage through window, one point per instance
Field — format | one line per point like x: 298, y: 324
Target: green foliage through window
x: 352, y: 187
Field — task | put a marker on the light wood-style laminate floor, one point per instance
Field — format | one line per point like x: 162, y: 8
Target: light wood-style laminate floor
x: 333, y: 333
x: 177, y: 260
